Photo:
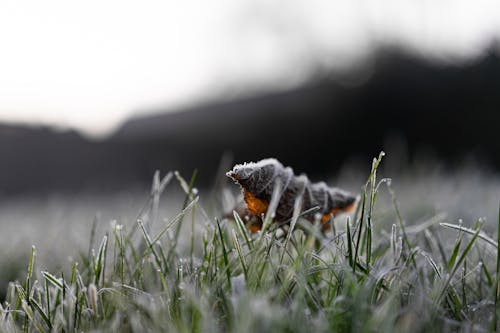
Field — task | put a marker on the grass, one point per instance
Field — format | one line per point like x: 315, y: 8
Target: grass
x: 377, y: 275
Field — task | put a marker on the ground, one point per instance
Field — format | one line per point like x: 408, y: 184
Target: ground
x: 156, y: 261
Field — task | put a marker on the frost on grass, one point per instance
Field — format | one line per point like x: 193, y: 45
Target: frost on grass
x: 194, y: 271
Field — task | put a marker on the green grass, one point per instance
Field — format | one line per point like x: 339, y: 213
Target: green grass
x: 377, y: 275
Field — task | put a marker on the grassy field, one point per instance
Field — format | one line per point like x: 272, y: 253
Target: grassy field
x: 393, y: 266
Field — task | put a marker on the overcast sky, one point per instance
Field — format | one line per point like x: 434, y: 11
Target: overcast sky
x: 91, y: 64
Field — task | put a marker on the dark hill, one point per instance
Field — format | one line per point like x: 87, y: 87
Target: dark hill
x: 452, y: 111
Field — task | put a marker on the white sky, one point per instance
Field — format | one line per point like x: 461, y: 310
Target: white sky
x: 90, y: 64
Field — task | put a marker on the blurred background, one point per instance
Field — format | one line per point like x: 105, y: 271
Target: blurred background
x: 95, y: 96
x: 100, y: 95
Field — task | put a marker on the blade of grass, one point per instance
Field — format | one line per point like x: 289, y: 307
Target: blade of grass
x: 458, y: 263
x: 157, y: 189
x: 150, y: 244
x: 224, y: 254
x: 92, y: 237
x: 29, y: 273
x: 454, y: 254
x: 433, y: 264
x: 271, y: 210
x: 243, y: 229
x: 349, y: 246
x: 47, y: 297
x: 297, y: 206
x: 360, y: 231
x: 394, y: 243
x: 189, y: 190
x: 177, y: 219
x: 31, y: 316
x: 53, y: 280
x: 373, y: 198
x: 401, y: 222
x: 469, y: 231
x: 101, y: 260
x: 240, y: 255
x: 192, y: 240
x: 39, y: 309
